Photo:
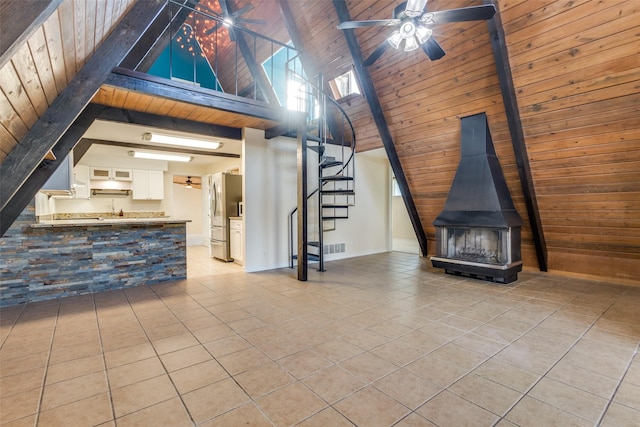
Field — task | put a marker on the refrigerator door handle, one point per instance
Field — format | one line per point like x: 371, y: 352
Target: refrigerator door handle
x: 215, y: 199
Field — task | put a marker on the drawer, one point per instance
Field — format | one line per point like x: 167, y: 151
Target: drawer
x: 235, y: 224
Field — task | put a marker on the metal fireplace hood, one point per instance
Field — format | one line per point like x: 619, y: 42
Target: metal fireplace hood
x: 479, y: 196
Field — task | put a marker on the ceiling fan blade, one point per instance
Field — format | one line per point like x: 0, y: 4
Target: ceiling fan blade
x: 372, y: 23
x: 376, y: 53
x: 251, y: 21
x: 433, y: 49
x: 415, y: 7
x: 473, y: 13
x: 242, y: 10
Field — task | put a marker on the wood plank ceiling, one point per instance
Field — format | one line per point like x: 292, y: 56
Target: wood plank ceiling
x: 576, y: 69
x: 44, y: 65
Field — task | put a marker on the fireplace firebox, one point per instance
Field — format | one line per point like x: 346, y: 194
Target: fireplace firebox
x: 478, y: 232
x: 481, y: 252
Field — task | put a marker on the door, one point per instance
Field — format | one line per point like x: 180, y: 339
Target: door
x: 217, y: 199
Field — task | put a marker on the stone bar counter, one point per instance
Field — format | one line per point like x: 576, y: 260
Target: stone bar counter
x: 59, y: 258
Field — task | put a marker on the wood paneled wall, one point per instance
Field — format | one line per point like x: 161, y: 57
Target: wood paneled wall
x: 577, y: 76
x: 577, y: 70
x: 44, y: 65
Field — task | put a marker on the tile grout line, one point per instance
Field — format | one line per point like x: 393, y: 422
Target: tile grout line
x: 544, y: 375
x: 104, y: 362
x: 633, y: 356
x: 133, y: 311
x: 46, y: 369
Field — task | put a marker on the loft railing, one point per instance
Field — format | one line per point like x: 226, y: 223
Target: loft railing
x: 205, y: 50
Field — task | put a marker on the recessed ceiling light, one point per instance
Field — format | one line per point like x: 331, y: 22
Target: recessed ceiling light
x: 182, y: 141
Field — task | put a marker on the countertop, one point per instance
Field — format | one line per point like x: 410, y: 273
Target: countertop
x: 235, y: 218
x: 106, y: 222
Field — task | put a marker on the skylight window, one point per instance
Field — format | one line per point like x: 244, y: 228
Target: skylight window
x: 344, y: 85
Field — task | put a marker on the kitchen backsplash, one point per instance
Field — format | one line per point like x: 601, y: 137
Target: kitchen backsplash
x: 82, y: 215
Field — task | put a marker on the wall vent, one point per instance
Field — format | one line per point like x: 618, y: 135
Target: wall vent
x: 333, y: 248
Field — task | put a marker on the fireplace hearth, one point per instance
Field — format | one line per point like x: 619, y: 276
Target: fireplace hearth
x: 478, y: 232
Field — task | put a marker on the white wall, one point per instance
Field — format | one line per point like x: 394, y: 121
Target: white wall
x: 187, y: 204
x: 269, y: 194
x: 367, y: 231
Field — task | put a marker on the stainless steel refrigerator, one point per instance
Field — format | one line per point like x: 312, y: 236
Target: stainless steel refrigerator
x: 225, y: 192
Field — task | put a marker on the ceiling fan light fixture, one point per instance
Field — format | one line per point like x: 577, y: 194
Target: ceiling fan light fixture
x: 408, y: 29
x: 411, y: 44
x: 188, y: 183
x: 395, y: 39
x: 423, y: 34
x: 427, y: 18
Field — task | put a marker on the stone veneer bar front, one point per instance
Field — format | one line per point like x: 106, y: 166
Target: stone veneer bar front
x: 58, y: 259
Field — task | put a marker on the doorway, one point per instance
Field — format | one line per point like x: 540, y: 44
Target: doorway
x: 403, y: 237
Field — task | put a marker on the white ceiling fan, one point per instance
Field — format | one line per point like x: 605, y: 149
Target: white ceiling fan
x: 414, y: 27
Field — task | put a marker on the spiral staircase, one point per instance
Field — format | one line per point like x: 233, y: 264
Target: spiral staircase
x: 329, y: 139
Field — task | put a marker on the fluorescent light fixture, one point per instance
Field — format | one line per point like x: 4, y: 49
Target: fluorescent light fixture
x: 182, y: 141
x: 158, y: 156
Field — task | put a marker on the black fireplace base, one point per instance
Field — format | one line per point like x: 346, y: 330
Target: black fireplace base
x: 491, y: 274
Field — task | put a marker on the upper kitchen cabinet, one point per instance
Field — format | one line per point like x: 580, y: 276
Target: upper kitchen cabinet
x: 116, y: 174
x: 147, y: 185
x: 81, y: 177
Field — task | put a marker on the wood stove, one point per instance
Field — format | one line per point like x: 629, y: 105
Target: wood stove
x: 478, y: 232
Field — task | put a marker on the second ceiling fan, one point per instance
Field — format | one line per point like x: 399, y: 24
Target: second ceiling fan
x: 414, y: 24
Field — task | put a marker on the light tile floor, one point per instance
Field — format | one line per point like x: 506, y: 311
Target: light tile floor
x: 375, y: 341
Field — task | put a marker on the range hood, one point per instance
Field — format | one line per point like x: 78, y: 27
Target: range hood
x: 479, y: 196
x: 60, y: 183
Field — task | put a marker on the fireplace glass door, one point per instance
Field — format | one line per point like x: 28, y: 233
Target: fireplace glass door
x: 477, y: 245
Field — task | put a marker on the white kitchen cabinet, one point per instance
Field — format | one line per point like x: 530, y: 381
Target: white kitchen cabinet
x: 115, y: 174
x: 81, y: 177
x: 147, y: 185
x: 235, y: 240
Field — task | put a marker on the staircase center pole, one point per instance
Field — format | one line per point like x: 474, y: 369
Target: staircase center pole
x: 302, y: 200
x: 323, y: 142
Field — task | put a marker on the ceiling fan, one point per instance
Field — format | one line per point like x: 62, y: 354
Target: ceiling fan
x: 188, y: 183
x: 414, y: 24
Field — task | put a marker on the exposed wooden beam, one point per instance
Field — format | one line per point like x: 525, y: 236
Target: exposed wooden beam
x: 80, y: 150
x: 45, y: 133
x: 371, y: 95
x: 296, y: 37
x: 156, y: 86
x: 169, y: 123
x: 139, y: 146
x: 259, y: 76
x: 18, y: 21
x: 157, y: 37
x: 510, y: 99
x: 41, y: 174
